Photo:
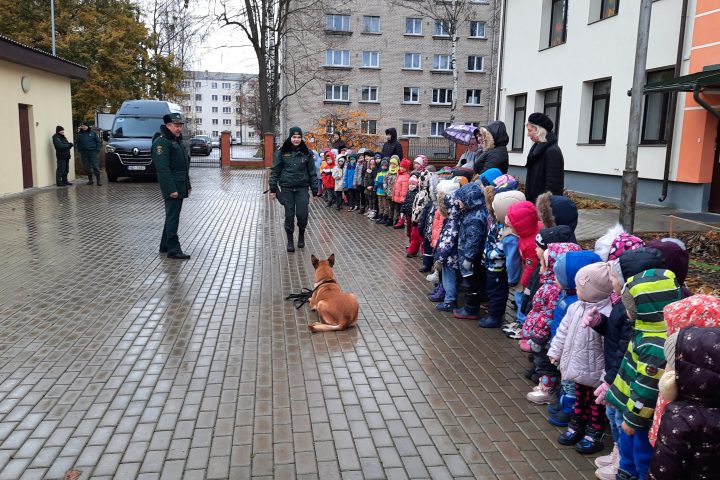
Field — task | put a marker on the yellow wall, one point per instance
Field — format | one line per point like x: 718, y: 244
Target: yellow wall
x: 49, y: 105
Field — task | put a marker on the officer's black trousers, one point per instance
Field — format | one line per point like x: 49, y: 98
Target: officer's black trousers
x: 170, y: 240
x: 296, y: 202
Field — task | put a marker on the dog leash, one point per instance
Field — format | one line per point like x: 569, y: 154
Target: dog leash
x: 300, y: 299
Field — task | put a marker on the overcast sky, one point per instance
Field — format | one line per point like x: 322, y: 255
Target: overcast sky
x: 227, y: 50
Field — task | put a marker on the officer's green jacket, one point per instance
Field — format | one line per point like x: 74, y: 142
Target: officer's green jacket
x: 292, y: 169
x: 171, y: 163
x: 87, y: 141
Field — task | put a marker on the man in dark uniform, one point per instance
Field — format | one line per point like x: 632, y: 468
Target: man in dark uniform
x: 291, y: 176
x: 88, y: 143
x: 172, y: 164
x: 62, y: 154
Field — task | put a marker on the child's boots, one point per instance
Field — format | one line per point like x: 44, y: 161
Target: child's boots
x: 591, y: 442
x: 574, y: 433
x: 438, y: 295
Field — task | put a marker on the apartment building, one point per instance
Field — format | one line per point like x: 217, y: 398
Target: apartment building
x: 573, y: 60
x: 215, y: 101
x: 394, y: 65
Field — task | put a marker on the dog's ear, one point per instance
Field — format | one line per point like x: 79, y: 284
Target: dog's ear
x: 331, y: 260
x: 314, y: 261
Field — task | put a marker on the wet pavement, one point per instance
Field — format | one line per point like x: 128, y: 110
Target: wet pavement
x: 118, y: 363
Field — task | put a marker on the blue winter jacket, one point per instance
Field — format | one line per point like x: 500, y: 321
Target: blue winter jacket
x: 349, y: 175
x: 473, y: 223
x: 513, y: 260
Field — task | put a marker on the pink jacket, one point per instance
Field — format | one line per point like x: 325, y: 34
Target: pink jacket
x: 580, y: 347
x: 402, y: 181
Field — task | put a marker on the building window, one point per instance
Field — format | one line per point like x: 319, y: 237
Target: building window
x: 608, y: 8
x: 481, y: 2
x: 227, y: 110
x: 442, y: 96
x: 437, y: 128
x: 238, y: 110
x: 338, y: 23
x: 475, y: 63
x: 413, y: 26
x: 238, y: 134
x: 215, y: 133
x: 198, y: 84
x: 599, y: 111
x: 473, y: 96
x: 371, y: 59
x: 251, y: 134
x: 227, y: 121
x: 198, y: 109
x: 558, y: 22
x: 185, y: 84
x: 655, y: 111
x: 214, y: 109
x: 369, y: 94
x: 412, y: 61
x: 330, y: 127
x: 213, y: 85
x: 337, y: 58
x: 214, y: 98
x: 214, y: 121
x: 518, y: 134
x: 442, y: 28
x: 238, y: 122
x: 236, y: 85
x: 411, y: 95
x: 227, y: 98
x: 198, y: 121
x: 336, y: 93
x: 198, y: 97
x: 551, y: 106
x: 368, y: 127
x: 226, y: 85
x: 442, y: 62
x: 187, y: 108
x: 237, y: 98
x: 477, y: 29
x: 371, y: 24
x: 409, y: 129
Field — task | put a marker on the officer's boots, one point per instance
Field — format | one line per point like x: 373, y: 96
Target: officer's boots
x: 301, y: 239
x: 98, y: 181
x: 90, y: 180
x: 290, y: 244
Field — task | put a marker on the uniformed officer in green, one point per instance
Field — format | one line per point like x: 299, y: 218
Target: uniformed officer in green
x: 291, y: 176
x: 172, y: 164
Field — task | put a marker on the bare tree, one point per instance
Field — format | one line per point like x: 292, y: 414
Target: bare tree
x: 269, y: 25
x: 451, y: 15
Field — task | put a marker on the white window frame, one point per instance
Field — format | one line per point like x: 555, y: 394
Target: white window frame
x: 413, y: 92
x: 473, y: 94
x: 474, y: 26
x: 413, y: 56
x: 198, y: 121
x: 198, y: 108
x: 333, y: 56
x: 226, y: 85
x: 415, y: 22
x: 441, y: 96
x: 213, y: 85
x: 441, y: 29
x: 442, y: 62
x: 227, y: 98
x: 372, y: 19
x: 214, y: 109
x: 227, y: 121
x: 227, y: 110
x: 198, y: 84
x: 339, y: 93
x: 435, y: 130
x: 365, y: 127
x: 198, y: 97
x: 367, y: 59
x: 214, y: 121
x: 372, y: 93
x: 473, y: 59
x: 331, y: 20
x: 214, y: 98
x: 215, y: 133
x: 409, y: 128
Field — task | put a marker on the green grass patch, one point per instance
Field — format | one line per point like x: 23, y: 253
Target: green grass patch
x: 705, y: 266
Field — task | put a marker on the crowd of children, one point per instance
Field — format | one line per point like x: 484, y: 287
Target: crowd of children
x: 599, y: 326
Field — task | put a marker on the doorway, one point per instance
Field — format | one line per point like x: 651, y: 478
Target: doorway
x: 25, y: 150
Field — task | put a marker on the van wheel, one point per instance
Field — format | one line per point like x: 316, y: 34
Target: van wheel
x: 112, y: 178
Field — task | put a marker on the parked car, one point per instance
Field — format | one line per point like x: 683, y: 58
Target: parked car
x: 200, y: 145
x: 215, y: 142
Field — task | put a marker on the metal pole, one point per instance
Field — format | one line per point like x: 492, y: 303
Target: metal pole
x: 628, y: 193
x: 52, y: 24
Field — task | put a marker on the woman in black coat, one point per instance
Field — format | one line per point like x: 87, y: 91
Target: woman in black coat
x: 495, y: 155
x: 545, y: 164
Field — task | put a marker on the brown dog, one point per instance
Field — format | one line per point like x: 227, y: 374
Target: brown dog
x: 336, y: 310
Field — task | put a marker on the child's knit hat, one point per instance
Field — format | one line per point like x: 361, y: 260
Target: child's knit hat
x: 489, y: 176
x: 593, y: 282
x: 624, y: 243
x: 677, y: 258
x: 559, y: 234
x: 505, y: 183
x: 384, y: 163
x: 352, y: 156
x: 570, y: 263
x: 421, y: 161
x: 503, y: 201
x: 447, y: 187
x: 395, y: 159
x: 378, y: 155
x: 413, y: 181
x: 405, y: 164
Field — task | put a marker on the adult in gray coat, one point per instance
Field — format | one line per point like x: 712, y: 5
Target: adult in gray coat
x: 88, y: 143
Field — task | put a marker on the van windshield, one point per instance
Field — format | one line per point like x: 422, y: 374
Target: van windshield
x: 136, y: 127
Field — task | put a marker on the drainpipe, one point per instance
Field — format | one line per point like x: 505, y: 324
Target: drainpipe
x: 501, y: 58
x: 670, y: 122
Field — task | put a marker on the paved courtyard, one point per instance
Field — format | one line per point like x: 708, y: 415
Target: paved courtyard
x: 118, y: 363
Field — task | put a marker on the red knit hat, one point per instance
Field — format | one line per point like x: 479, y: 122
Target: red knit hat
x: 405, y: 164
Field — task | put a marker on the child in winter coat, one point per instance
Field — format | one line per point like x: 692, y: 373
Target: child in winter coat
x: 417, y: 238
x: 406, y: 211
x: 578, y: 352
x: 536, y: 329
x: 677, y: 259
x: 494, y: 258
x: 368, y: 184
x: 634, y: 390
x: 446, y: 255
x: 348, y: 179
x: 379, y: 188
x: 389, y: 186
x: 566, y: 267
x: 338, y: 174
x: 361, y: 202
x: 328, y: 182
x: 471, y: 246
x: 419, y: 164
x: 400, y: 191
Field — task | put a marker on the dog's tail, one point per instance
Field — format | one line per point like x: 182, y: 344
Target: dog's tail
x: 324, y: 327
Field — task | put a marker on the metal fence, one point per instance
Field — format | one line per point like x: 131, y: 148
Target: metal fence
x: 211, y: 160
x: 246, y: 151
x: 437, y: 149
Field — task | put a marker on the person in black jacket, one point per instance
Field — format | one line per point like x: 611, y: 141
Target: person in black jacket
x: 545, y: 164
x: 338, y: 143
x: 495, y: 154
x: 62, y: 155
x: 293, y: 171
x: 88, y: 144
x: 391, y: 146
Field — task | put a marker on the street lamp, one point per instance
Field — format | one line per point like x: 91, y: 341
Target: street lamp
x: 52, y: 24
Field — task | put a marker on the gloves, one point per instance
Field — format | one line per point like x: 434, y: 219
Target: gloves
x: 600, y: 393
x: 591, y: 318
